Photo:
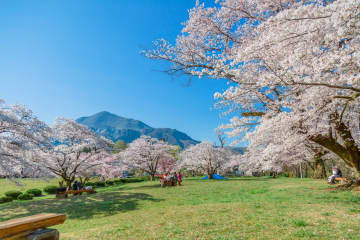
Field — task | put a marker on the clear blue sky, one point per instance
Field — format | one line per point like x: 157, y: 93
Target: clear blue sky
x: 76, y: 58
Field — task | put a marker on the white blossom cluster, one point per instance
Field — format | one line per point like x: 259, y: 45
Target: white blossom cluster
x: 20, y: 132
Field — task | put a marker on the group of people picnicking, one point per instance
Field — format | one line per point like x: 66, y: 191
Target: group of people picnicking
x: 171, y: 179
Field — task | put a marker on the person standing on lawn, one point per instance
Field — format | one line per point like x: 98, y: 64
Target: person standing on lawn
x: 179, y: 178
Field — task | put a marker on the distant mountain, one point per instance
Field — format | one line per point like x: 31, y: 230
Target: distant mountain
x: 117, y: 128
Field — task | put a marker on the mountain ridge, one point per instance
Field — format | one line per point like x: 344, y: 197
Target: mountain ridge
x: 116, y: 128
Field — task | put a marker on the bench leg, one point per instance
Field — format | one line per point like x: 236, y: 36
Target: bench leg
x: 44, y: 234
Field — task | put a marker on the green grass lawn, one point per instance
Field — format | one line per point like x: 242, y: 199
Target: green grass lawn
x: 239, y: 208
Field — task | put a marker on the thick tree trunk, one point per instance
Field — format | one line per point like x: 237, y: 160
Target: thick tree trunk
x: 68, y: 184
x: 152, y: 177
x: 211, y: 173
x: 349, y: 152
x: 350, y: 155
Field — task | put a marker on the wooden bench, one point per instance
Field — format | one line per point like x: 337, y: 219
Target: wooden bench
x: 342, y: 180
x: 32, y: 227
x: 79, y: 192
x: 74, y: 192
x: 339, y: 179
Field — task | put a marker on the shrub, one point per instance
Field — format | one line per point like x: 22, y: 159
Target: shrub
x: 286, y: 174
x: 100, y: 184
x: 25, y: 196
x: 118, y: 181
x: 5, y: 199
x: 50, y: 189
x: 109, y: 182
x: 36, y: 192
x: 13, y: 194
x: 132, y: 180
x: 92, y: 184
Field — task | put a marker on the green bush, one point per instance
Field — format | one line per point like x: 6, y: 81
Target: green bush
x: 133, y: 180
x: 5, y: 199
x: 285, y: 174
x: 118, y: 181
x: 146, y: 178
x: 36, y: 192
x: 13, y: 194
x: 100, y: 184
x: 25, y: 196
x: 109, y: 182
x: 92, y: 184
x: 50, y: 189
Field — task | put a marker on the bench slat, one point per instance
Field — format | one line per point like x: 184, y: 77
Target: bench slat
x: 31, y: 223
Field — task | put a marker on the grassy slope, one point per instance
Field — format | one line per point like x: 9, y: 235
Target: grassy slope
x: 241, y: 208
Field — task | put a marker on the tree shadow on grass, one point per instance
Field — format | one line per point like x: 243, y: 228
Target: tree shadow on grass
x: 78, y: 207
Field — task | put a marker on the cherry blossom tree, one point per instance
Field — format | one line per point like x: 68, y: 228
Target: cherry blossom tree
x: 205, y: 157
x: 75, y: 152
x: 293, y: 60
x: 167, y: 163
x: 146, y: 154
x: 20, y: 133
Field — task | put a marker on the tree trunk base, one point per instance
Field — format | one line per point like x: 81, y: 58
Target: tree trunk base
x: 349, y: 184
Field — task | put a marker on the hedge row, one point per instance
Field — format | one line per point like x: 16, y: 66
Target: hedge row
x: 116, y: 181
x: 31, y: 193
x: 13, y: 195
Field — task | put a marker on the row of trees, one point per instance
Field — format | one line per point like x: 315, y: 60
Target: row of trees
x: 294, y: 70
x: 70, y: 150
x: 153, y: 156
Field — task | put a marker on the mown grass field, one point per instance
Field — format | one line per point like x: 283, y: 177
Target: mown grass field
x: 239, y: 208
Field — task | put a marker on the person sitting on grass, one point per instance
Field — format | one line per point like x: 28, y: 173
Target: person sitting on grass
x: 79, y: 185
x: 336, y: 174
x: 75, y: 185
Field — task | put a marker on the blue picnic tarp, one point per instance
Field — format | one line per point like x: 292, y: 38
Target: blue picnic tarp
x: 215, y: 176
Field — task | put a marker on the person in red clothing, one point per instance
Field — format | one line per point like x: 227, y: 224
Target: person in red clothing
x: 163, y: 179
x: 179, y: 178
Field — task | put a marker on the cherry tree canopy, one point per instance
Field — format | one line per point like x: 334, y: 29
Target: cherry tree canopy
x: 205, y: 157
x: 75, y: 151
x: 145, y: 153
x: 20, y: 133
x: 167, y: 163
x: 294, y: 67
